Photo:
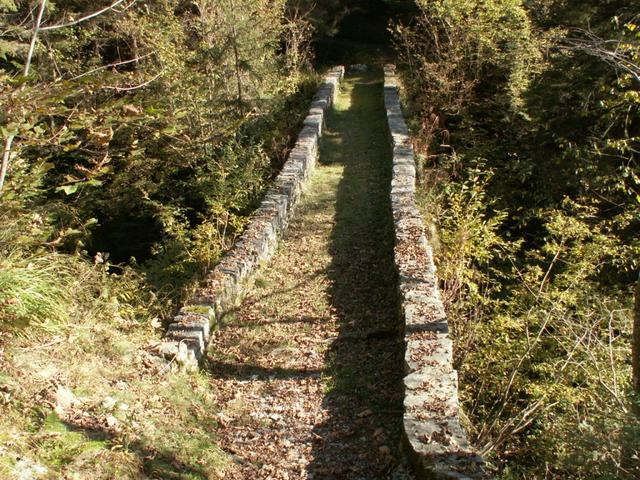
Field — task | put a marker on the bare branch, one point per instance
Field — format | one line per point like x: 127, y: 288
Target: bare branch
x: 615, y: 52
x: 34, y: 38
x: 135, y: 87
x: 86, y: 17
x: 103, y: 67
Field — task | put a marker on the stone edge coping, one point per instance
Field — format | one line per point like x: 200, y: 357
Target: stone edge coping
x: 435, y: 441
x: 188, y: 335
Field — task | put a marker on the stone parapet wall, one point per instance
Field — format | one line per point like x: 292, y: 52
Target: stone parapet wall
x: 188, y: 335
x: 435, y: 441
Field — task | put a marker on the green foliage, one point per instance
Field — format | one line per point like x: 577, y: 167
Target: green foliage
x: 150, y: 133
x: 528, y: 146
x: 456, y: 48
x: 8, y: 6
x: 144, y: 137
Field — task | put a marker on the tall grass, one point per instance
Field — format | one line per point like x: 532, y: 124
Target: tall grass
x: 36, y: 290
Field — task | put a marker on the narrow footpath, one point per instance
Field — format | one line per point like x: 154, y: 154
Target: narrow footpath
x: 308, y: 371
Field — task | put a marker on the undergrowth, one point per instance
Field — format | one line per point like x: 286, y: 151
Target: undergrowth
x: 81, y: 393
x: 87, y: 399
x: 528, y: 167
x: 137, y: 143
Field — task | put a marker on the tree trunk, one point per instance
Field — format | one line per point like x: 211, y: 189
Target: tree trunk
x: 237, y: 62
x: 635, y: 350
x: 6, y: 154
x: 34, y: 37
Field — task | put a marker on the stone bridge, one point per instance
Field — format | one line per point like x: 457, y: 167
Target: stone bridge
x: 434, y: 442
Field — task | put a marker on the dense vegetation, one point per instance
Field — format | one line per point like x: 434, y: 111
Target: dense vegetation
x: 527, y: 123
x: 137, y: 136
x: 147, y: 131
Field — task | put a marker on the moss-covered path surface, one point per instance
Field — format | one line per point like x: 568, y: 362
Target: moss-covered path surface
x: 309, y: 370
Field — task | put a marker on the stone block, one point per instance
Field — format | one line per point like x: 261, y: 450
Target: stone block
x: 436, y: 351
x: 196, y: 317
x: 316, y: 121
x: 436, y: 443
x: 189, y: 333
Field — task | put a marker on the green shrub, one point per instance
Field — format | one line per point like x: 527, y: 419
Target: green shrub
x: 529, y: 159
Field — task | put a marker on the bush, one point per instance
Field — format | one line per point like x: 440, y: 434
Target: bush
x: 531, y: 186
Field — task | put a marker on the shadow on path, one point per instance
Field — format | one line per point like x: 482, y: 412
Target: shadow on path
x: 361, y: 436
x: 308, y: 370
